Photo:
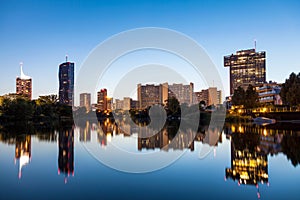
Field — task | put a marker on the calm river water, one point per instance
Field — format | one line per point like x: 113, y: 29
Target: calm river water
x: 236, y: 162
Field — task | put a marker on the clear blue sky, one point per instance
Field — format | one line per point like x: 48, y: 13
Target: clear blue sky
x: 40, y: 33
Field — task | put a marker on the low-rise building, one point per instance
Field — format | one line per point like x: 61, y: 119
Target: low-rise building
x: 269, y: 93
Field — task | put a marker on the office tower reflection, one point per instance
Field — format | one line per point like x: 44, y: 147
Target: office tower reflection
x: 211, y: 136
x: 105, y: 131
x: 249, y: 164
x: 172, y: 138
x: 159, y: 140
x: 66, y: 152
x: 23, y: 151
x: 247, y: 167
x: 85, y: 133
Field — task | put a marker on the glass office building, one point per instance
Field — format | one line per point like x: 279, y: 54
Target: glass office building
x: 246, y: 67
x: 66, y: 83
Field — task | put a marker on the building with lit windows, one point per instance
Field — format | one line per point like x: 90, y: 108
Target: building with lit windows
x: 66, y: 83
x: 246, y: 67
x: 102, y: 100
x: 24, y: 85
x: 269, y: 93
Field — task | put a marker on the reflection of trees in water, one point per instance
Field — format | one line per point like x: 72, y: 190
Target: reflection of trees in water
x: 7, y: 138
x: 291, y: 148
x: 47, y: 135
x: 246, y: 140
x: 42, y: 134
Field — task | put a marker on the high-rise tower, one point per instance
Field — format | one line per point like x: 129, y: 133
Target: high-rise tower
x: 24, y: 85
x: 66, y: 83
x: 246, y: 67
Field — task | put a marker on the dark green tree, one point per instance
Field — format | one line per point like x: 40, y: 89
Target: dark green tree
x: 48, y: 99
x: 173, y: 106
x: 17, y: 110
x: 290, y: 91
x: 238, y: 97
x: 251, y: 98
x: 248, y: 98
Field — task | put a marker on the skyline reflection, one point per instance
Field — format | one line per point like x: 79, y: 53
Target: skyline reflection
x: 66, y: 152
x: 250, y: 145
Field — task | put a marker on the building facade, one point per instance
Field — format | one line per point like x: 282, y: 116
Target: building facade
x: 24, y: 85
x: 183, y: 93
x: 211, y: 96
x: 151, y: 94
x: 110, y: 103
x: 246, y: 67
x: 269, y: 93
x: 102, y: 100
x: 134, y: 104
x: 66, y: 83
x: 148, y: 95
x: 127, y: 103
x: 85, y: 101
x: 118, y: 105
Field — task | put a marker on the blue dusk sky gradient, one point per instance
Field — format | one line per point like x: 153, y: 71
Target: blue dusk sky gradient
x: 41, y: 33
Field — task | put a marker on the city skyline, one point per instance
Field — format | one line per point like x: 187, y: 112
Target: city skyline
x: 39, y: 43
x: 66, y: 75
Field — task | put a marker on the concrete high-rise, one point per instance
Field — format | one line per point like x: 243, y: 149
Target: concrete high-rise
x: 148, y: 95
x: 85, y: 101
x: 210, y: 96
x: 246, y: 67
x: 151, y: 94
x: 24, y: 85
x: 183, y: 93
x: 66, y: 83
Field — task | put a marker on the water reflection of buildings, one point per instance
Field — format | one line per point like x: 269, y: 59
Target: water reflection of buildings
x: 159, y: 140
x: 66, y: 152
x: 107, y: 129
x: 85, y: 133
x: 248, y: 167
x: 149, y: 138
x: 23, y: 151
x: 269, y: 139
x: 250, y: 147
x: 180, y: 140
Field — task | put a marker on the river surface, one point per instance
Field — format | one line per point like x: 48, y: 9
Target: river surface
x: 234, y: 162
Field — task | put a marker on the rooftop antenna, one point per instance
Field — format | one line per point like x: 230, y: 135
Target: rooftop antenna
x: 255, y: 44
x: 66, y: 57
